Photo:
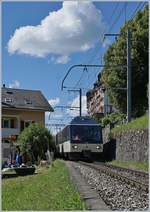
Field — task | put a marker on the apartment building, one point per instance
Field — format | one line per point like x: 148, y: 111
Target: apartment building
x: 20, y: 108
x: 97, y: 101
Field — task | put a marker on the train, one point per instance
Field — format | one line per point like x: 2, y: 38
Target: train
x: 80, y: 139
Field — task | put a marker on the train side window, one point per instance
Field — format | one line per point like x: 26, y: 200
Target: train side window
x: 67, y: 133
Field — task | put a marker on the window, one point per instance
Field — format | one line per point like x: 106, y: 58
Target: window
x: 22, y: 125
x: 28, y: 122
x: 85, y: 134
x: 9, y: 92
x: 8, y: 100
x: 12, y: 123
x: 5, y: 123
x: 25, y: 124
x: 8, y: 123
x: 28, y: 101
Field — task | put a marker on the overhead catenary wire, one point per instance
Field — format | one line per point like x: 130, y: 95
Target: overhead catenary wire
x: 110, y: 19
x: 77, y: 84
x: 139, y: 7
x: 117, y: 18
x: 114, y: 23
x: 97, y: 47
x: 113, y: 12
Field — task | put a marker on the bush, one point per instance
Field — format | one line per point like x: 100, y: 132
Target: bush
x: 112, y: 119
x: 34, y: 141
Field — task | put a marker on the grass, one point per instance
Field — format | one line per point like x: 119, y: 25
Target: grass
x: 49, y: 190
x: 139, y: 123
x: 143, y: 166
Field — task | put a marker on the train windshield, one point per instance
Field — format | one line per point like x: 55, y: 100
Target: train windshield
x: 90, y: 134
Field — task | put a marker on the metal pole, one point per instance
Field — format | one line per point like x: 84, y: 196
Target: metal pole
x: 128, y: 75
x: 80, y: 101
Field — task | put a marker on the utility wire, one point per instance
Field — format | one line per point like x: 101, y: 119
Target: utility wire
x: 139, y: 6
x: 80, y: 78
x: 117, y: 18
x: 110, y: 19
x: 114, y: 10
x: 124, y: 8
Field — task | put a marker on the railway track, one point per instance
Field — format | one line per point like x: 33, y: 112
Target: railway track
x: 134, y: 172
x: 118, y: 191
x: 134, y: 178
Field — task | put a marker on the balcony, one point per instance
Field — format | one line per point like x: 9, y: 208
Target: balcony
x: 10, y: 125
x: 6, y: 132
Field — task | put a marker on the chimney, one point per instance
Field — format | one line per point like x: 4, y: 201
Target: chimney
x: 3, y: 85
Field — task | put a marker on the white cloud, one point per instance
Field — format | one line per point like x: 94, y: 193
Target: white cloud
x: 106, y: 43
x: 62, y: 59
x: 75, y: 103
x: 76, y: 27
x: 15, y: 84
x: 54, y: 102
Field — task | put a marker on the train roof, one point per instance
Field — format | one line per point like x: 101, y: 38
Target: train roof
x: 83, y: 120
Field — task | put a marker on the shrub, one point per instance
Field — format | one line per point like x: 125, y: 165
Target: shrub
x: 35, y: 140
x: 112, y: 119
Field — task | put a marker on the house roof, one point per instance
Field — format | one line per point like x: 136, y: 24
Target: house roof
x: 24, y: 99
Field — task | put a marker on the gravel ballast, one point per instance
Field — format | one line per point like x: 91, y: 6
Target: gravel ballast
x: 116, y: 194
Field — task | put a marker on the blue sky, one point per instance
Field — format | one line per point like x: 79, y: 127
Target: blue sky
x: 30, y: 61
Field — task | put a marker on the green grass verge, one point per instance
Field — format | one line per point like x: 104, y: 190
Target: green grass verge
x: 49, y: 190
x: 139, y: 123
x: 143, y: 166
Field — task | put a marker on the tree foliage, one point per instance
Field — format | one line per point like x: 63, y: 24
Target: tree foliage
x: 112, y: 119
x: 36, y: 139
x: 116, y: 77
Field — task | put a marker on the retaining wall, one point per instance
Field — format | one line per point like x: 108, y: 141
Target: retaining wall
x: 132, y: 145
x: 127, y: 145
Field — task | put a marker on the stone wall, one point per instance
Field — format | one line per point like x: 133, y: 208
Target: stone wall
x: 106, y: 132
x: 126, y: 145
x: 132, y: 145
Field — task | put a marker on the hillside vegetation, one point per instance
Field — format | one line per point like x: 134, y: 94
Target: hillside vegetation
x: 138, y: 123
x: 116, y: 58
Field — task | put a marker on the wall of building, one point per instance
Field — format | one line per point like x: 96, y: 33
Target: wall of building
x: 95, y: 101
x: 37, y: 116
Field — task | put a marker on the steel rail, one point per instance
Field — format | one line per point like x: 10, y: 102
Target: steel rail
x: 133, y: 171
x: 106, y: 170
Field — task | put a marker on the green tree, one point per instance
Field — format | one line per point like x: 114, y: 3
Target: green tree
x: 36, y: 139
x: 113, y: 119
x: 117, y: 77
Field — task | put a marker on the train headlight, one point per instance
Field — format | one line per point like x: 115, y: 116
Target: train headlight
x: 75, y: 146
x: 98, y: 147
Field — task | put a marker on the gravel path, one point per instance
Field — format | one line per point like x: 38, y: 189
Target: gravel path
x: 116, y: 194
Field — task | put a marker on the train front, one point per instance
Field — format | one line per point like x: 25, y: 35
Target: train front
x: 86, y: 138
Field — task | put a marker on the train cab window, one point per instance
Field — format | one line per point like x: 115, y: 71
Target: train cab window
x: 76, y: 134
x: 86, y: 134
